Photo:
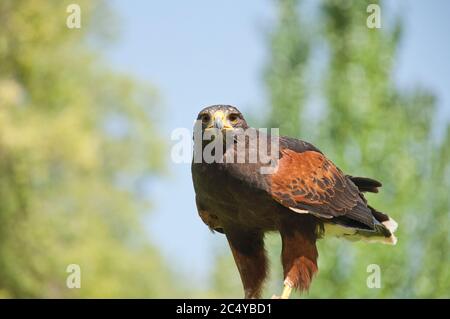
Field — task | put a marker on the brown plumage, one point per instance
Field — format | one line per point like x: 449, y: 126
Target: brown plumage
x: 306, y: 197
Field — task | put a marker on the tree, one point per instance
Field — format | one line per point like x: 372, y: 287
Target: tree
x: 77, y: 142
x: 372, y: 128
x: 285, y: 73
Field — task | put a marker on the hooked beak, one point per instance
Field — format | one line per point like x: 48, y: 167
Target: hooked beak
x: 220, y: 121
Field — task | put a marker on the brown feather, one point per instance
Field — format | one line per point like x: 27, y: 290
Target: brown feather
x: 249, y: 254
x: 309, y: 181
x: 299, y: 252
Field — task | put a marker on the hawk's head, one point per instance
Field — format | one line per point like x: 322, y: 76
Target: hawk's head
x: 221, y: 117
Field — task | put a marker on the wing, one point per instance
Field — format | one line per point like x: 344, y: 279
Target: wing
x: 307, y: 182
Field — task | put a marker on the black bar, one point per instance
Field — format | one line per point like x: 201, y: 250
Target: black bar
x: 211, y: 308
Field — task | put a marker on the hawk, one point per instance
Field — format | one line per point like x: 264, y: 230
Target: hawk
x: 304, y: 197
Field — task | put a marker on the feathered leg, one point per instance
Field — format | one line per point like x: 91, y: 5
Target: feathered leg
x: 250, y: 257
x: 299, y: 255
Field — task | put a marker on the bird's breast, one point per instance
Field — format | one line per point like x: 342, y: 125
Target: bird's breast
x: 236, y: 194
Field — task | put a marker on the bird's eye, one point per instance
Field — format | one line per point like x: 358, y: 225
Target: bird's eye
x: 205, y: 118
x: 233, y: 118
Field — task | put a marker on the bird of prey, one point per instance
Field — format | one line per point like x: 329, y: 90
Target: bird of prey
x: 304, y: 198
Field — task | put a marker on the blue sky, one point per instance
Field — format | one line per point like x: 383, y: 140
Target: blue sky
x: 199, y: 52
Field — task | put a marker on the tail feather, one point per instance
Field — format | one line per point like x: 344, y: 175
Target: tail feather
x: 383, y: 231
x: 345, y: 227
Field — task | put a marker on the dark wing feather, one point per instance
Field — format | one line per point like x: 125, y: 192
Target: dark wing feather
x: 297, y: 145
x: 365, y: 184
x: 308, y: 181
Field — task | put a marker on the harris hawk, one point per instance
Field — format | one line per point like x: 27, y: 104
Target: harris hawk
x: 305, y: 197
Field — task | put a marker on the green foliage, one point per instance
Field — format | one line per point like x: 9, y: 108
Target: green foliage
x: 371, y: 128
x: 76, y: 141
x: 285, y: 74
x: 368, y: 127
